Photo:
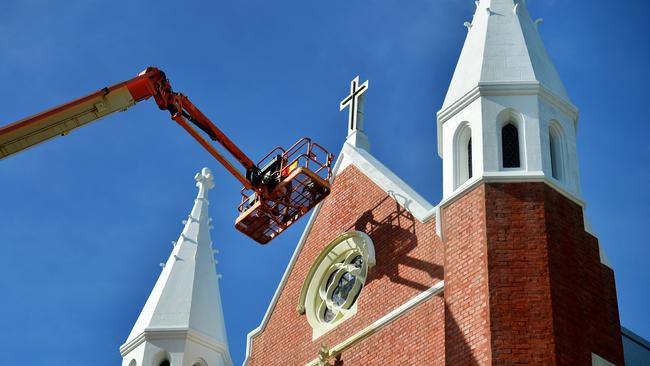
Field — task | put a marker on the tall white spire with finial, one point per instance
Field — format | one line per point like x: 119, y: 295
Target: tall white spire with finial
x: 507, y: 115
x: 182, y: 322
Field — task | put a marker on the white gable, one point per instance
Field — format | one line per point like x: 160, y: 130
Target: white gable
x: 379, y: 174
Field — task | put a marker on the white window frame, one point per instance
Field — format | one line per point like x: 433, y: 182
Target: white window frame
x: 557, y: 151
x: 461, y: 154
x: 513, y: 117
x: 311, y: 297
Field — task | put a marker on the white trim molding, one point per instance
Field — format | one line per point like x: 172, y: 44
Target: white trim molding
x: 385, y: 320
x: 333, y: 262
x: 484, y: 89
x: 151, y: 334
x: 522, y: 177
x: 599, y: 361
x: 379, y: 174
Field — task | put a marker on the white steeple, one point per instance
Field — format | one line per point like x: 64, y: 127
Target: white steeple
x: 182, y: 321
x: 507, y: 115
x: 503, y: 45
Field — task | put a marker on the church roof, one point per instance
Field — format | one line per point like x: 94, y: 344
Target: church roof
x: 186, y: 295
x: 503, y: 46
x: 379, y: 174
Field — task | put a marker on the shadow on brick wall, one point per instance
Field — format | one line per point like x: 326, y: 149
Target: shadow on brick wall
x: 392, y: 230
x: 457, y: 349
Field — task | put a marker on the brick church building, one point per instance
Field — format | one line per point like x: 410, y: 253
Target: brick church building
x: 504, y: 270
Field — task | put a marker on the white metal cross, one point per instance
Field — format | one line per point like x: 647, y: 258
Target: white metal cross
x: 355, y: 102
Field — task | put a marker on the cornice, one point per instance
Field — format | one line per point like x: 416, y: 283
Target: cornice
x: 485, y: 89
x: 524, y: 177
x: 151, y: 334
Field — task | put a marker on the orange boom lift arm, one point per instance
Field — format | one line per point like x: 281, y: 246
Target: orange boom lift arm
x: 277, y: 191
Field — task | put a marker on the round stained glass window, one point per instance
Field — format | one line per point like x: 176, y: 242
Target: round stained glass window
x: 335, y: 280
x: 344, y: 282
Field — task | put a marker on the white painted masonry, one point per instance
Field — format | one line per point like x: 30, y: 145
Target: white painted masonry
x: 599, y: 361
x: 182, y: 321
x: 504, y: 75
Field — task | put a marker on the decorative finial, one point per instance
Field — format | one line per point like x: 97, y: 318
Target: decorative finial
x: 467, y: 25
x: 204, y: 178
x: 518, y: 5
x: 323, y: 355
x: 538, y: 22
x: 300, y: 309
x: 477, y: 3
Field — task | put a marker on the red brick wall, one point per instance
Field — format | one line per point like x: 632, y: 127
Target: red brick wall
x: 583, y: 292
x: 524, y: 282
x: 409, y: 260
x: 519, y: 288
x: 466, y: 281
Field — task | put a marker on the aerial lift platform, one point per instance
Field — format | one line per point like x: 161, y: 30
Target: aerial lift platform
x: 278, y: 190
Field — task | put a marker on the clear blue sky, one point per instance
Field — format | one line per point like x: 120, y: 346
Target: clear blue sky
x: 86, y: 219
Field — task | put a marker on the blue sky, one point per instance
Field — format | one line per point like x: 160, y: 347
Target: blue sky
x: 86, y: 219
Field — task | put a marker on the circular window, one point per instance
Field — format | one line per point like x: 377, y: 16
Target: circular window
x: 336, y: 278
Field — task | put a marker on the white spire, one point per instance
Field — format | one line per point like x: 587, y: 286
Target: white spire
x: 184, y: 306
x: 507, y: 115
x: 503, y: 46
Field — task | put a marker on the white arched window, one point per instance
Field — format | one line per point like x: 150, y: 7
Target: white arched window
x: 463, y: 167
x: 161, y: 358
x: 556, y: 150
x: 200, y: 362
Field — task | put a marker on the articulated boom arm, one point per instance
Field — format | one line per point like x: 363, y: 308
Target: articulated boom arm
x: 279, y: 190
x: 151, y: 82
x: 182, y: 110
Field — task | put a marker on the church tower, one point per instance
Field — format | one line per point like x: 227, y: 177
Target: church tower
x: 182, y: 322
x: 525, y: 279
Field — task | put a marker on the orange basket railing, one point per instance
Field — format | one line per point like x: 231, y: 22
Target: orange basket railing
x: 299, y: 184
